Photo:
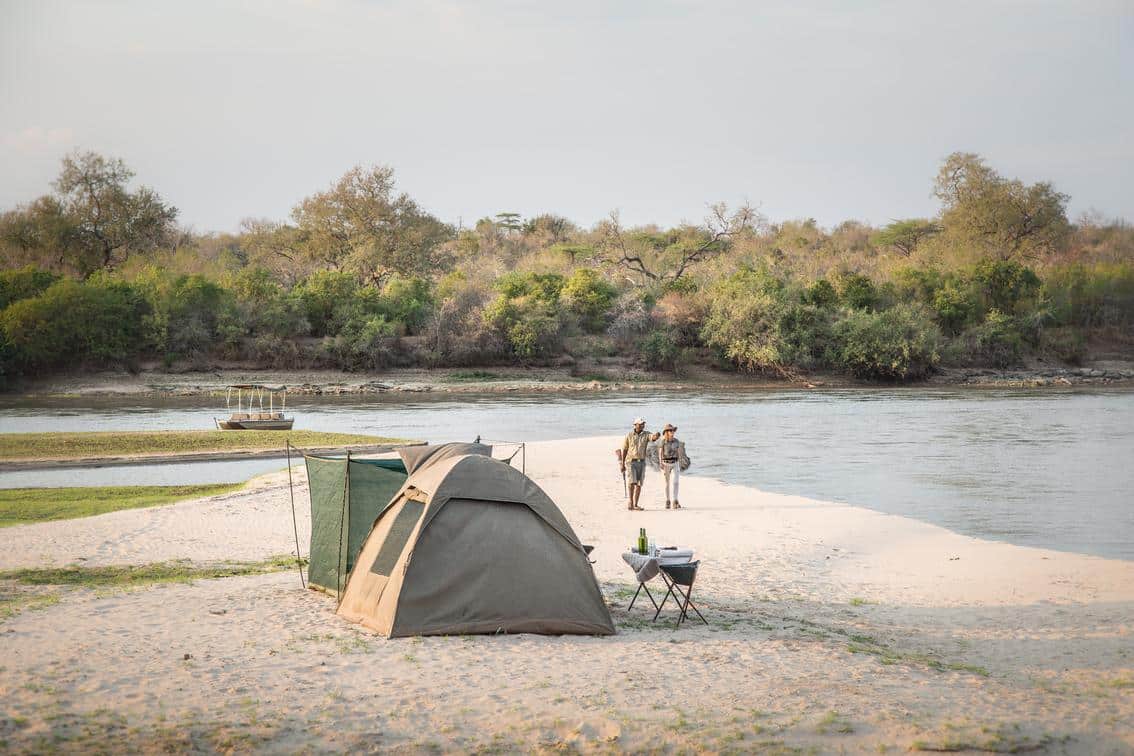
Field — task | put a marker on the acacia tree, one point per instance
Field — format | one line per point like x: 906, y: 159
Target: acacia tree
x: 905, y: 235
x: 1001, y: 217
x: 93, y: 221
x: 653, y: 258
x: 363, y: 226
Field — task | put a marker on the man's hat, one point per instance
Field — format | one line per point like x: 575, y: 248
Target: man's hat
x: 669, y: 427
x: 639, y: 421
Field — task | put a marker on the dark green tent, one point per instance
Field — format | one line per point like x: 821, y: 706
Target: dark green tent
x: 342, y: 510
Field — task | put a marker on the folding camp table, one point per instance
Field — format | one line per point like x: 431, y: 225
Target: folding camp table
x: 646, y: 568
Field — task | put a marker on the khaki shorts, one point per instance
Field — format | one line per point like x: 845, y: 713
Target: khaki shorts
x: 637, y: 468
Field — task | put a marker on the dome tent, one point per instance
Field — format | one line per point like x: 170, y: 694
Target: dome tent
x: 472, y: 545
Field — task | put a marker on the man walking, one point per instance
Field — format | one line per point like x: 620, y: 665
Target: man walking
x: 634, y: 453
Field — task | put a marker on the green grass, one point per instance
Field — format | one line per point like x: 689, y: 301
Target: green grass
x: 64, y: 446
x: 127, y: 576
x: 474, y: 375
x: 19, y: 506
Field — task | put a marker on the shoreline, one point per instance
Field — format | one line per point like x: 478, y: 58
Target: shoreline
x: 534, y: 380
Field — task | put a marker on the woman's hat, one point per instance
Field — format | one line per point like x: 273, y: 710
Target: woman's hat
x: 669, y: 427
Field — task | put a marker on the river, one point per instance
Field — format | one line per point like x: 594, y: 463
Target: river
x: 1041, y: 468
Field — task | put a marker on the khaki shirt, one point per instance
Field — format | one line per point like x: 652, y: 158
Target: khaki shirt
x: 670, y: 450
x: 634, y: 447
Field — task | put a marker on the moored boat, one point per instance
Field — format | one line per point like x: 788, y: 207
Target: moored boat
x: 253, y: 415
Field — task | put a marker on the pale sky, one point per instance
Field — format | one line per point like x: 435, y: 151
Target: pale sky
x: 831, y: 110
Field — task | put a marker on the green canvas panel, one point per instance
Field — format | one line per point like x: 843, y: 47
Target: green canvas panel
x: 340, y: 524
x: 327, y: 482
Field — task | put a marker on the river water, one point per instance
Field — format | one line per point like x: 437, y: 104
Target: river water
x: 1044, y: 468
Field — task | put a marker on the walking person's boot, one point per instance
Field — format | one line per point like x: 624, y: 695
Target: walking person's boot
x: 667, y: 504
x: 676, y: 505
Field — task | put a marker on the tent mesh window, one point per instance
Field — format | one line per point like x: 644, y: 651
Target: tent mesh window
x: 400, y: 529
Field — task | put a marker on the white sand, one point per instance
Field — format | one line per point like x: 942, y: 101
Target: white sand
x: 814, y: 608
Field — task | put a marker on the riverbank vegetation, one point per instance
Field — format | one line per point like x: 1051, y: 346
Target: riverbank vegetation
x: 362, y: 278
x: 21, y: 506
x: 101, y: 444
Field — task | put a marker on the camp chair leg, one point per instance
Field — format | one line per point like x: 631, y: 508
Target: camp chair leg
x: 669, y: 592
x: 641, y: 587
x: 690, y: 605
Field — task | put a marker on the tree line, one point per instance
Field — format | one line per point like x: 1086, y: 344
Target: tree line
x: 97, y: 273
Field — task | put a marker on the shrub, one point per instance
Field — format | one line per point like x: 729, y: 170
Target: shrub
x: 1091, y: 296
x: 361, y: 345
x: 857, y: 291
x: 630, y: 318
x: 683, y: 315
x: 821, y: 294
x: 1064, y: 344
x: 996, y: 342
x: 660, y: 351
x: 1005, y: 284
x: 589, y: 297
x: 530, y: 326
x: 760, y: 323
x: 408, y: 301
x: 899, y: 344
x: 71, y: 323
x: 328, y: 296
x: 23, y: 283
x: 956, y: 305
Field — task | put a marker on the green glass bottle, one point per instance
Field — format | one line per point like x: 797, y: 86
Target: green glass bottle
x: 641, y: 540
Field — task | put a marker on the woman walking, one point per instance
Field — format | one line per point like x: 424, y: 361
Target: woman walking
x: 672, y: 460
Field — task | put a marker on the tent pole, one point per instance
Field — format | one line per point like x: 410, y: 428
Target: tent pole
x: 294, y: 523
x: 341, y: 562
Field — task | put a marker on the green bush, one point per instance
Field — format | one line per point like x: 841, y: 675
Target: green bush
x: 1091, y: 296
x: 590, y: 298
x: 899, y: 344
x: 530, y: 326
x: 408, y: 301
x: 361, y: 345
x: 997, y: 342
x: 821, y: 294
x: 72, y: 323
x: 660, y: 351
x: 329, y: 297
x: 857, y: 291
x: 1005, y: 284
x: 23, y: 283
x: 760, y: 323
x: 956, y: 305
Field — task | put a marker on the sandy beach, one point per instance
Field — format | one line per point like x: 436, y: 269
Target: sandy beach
x: 832, y: 628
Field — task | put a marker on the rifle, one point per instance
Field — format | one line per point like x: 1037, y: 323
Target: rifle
x: 622, y: 466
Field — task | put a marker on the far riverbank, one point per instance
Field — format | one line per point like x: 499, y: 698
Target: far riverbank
x: 155, y: 383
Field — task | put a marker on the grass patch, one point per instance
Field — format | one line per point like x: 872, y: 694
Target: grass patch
x: 992, y: 739
x: 127, y: 576
x: 67, y: 446
x: 834, y: 722
x: 474, y: 375
x: 889, y: 656
x: 14, y: 602
x: 19, y: 506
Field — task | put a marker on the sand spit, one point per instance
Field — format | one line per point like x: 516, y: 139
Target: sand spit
x: 832, y: 628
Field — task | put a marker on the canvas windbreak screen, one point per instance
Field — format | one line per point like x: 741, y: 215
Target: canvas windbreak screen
x: 341, y: 515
